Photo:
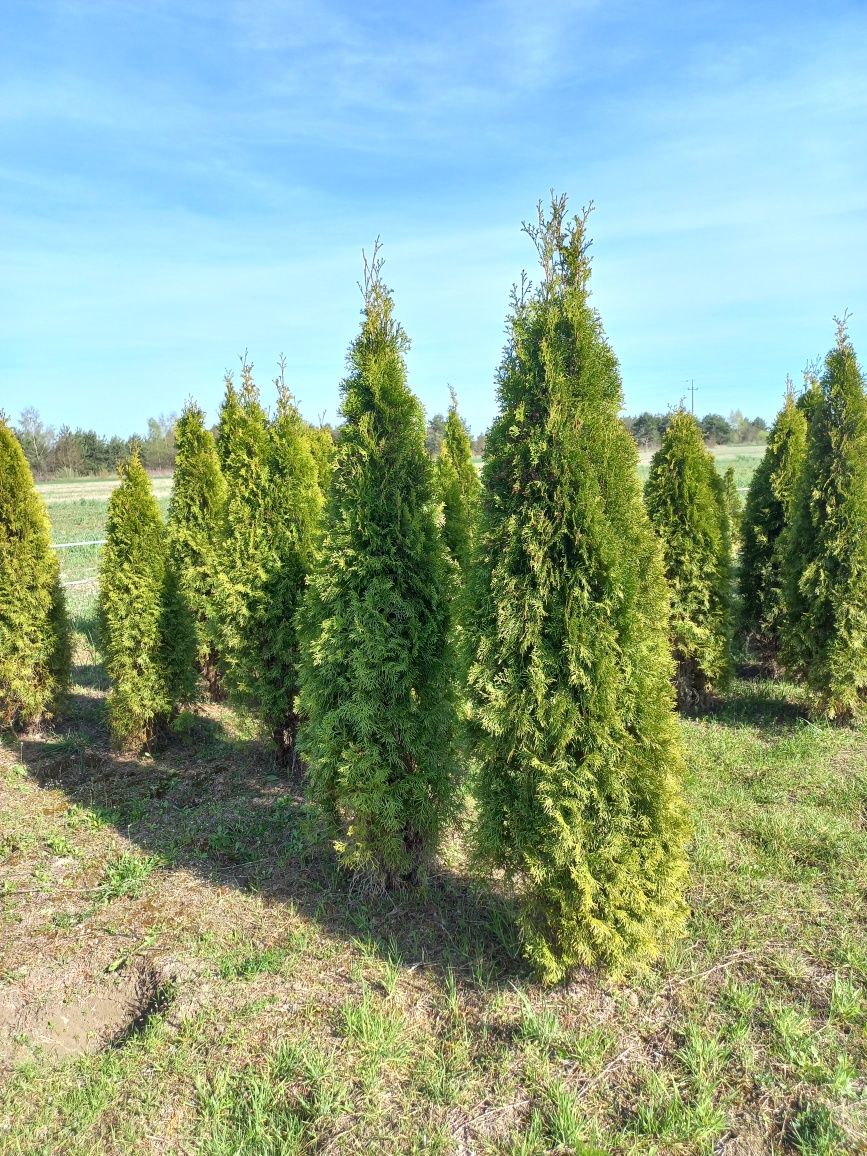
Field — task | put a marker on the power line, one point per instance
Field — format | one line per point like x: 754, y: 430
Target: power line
x: 692, y: 393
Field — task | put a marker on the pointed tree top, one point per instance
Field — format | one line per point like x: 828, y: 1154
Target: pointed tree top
x: 562, y: 245
x: 842, y: 330
x: 378, y: 311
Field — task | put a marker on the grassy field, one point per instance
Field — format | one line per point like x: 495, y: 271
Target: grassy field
x: 744, y: 459
x: 184, y: 970
x: 94, y: 489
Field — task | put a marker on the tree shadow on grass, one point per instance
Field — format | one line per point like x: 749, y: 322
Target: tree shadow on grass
x: 220, y: 806
x: 764, y: 703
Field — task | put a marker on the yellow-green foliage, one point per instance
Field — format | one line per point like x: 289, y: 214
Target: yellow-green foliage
x: 734, y: 507
x: 824, y: 636
x: 34, y: 633
x: 458, y: 488
x: 146, y: 629
x: 195, y: 517
x: 685, y: 498
x: 572, y: 729
x: 324, y: 450
x: 377, y: 693
x: 766, y: 513
x: 269, y: 545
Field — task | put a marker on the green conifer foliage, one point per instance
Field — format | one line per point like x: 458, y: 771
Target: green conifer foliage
x: 273, y: 516
x: 35, y: 649
x: 685, y: 498
x: 147, y: 631
x: 766, y: 513
x: 242, y: 446
x: 324, y: 451
x: 376, y: 686
x: 458, y: 488
x: 576, y: 746
x: 825, y: 567
x: 734, y: 507
x: 195, y: 517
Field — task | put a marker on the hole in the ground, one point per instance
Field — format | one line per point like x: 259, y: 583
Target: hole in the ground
x: 151, y: 997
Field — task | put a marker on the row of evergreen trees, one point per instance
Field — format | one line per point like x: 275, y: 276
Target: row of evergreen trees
x: 404, y: 634
x: 374, y: 610
x: 804, y: 565
x: 802, y: 539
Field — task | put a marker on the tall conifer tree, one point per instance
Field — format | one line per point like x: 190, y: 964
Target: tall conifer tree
x: 242, y: 446
x: 272, y: 521
x: 685, y: 498
x: 825, y: 567
x: 195, y: 516
x: 458, y: 488
x: 377, y: 693
x: 147, y: 631
x: 766, y: 514
x: 577, y: 748
x: 734, y: 507
x: 324, y: 450
x: 35, y: 649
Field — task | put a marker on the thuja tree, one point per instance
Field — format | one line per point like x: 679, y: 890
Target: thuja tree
x: 376, y: 683
x: 825, y: 567
x: 458, y: 488
x: 273, y: 515
x: 766, y: 513
x: 575, y: 743
x: 35, y: 647
x: 195, y: 515
x: 243, y: 446
x: 734, y: 507
x: 147, y: 632
x: 324, y: 450
x: 685, y: 498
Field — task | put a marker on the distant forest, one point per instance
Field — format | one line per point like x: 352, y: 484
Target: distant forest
x: 68, y: 452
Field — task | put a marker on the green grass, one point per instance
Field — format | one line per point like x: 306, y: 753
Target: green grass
x: 308, y: 1015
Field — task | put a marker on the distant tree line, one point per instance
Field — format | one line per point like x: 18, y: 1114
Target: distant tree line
x: 67, y: 452
x: 648, y: 429
x: 81, y: 452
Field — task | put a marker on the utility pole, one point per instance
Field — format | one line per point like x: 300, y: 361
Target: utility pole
x: 692, y: 396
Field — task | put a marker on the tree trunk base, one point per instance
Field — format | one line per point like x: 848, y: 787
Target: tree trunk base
x: 691, y: 687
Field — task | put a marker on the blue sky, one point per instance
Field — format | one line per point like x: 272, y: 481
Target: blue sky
x: 180, y: 181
